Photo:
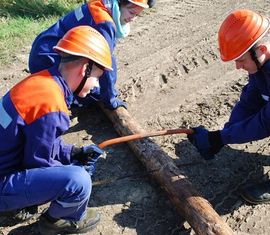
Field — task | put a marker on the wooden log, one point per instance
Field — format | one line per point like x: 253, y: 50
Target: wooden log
x: 189, y: 203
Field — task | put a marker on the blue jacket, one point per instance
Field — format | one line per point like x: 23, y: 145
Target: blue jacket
x: 250, y: 118
x: 95, y: 14
x: 33, y: 116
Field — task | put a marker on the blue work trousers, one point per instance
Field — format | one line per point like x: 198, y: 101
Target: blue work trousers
x: 68, y: 188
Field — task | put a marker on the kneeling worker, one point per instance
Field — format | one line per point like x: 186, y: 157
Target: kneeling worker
x: 36, y: 166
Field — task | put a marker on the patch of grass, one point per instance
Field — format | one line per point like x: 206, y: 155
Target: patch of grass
x: 36, y: 8
x: 22, y: 20
x: 16, y: 34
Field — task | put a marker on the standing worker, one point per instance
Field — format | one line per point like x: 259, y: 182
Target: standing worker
x: 36, y: 166
x: 111, y: 18
x: 245, y: 39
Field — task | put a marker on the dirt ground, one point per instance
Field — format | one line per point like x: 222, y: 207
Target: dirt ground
x: 171, y: 76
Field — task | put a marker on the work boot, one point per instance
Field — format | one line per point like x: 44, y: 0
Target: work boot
x: 22, y: 215
x: 257, y: 193
x: 51, y: 226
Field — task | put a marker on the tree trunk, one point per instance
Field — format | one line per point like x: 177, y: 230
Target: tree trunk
x: 189, y: 203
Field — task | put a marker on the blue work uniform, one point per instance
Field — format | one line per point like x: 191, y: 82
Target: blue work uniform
x: 35, y: 164
x: 94, y: 14
x: 250, y: 118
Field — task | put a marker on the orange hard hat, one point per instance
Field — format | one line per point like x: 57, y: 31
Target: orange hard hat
x: 86, y: 42
x: 239, y: 32
x: 140, y: 3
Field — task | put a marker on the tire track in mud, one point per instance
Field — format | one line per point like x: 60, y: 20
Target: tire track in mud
x: 172, y: 70
x: 186, y: 56
x: 153, y: 30
x: 165, y: 68
x: 212, y: 108
x: 188, y: 44
x: 202, y: 53
x: 156, y: 25
x: 170, y: 73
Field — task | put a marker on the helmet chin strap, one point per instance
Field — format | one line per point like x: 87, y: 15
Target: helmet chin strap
x: 254, y: 57
x: 86, y: 75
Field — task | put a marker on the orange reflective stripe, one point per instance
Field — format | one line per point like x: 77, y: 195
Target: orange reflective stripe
x: 38, y: 95
x: 99, y: 12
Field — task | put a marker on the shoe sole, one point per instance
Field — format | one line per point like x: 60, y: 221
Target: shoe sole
x: 63, y: 232
x: 253, y: 201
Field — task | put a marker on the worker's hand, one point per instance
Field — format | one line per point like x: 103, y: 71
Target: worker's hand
x: 86, y: 153
x: 93, y: 153
x: 207, y: 142
x: 87, y: 156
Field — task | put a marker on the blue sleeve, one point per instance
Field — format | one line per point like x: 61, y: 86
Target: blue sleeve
x: 43, y: 146
x: 250, y: 118
x: 250, y: 103
x: 108, y: 92
x: 254, y: 127
x: 42, y: 56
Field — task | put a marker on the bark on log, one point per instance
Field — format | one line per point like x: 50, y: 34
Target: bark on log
x: 189, y: 203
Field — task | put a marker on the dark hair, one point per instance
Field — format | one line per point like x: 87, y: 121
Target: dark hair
x: 123, y: 2
x: 65, y: 58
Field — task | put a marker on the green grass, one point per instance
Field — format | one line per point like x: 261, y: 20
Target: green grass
x: 17, y: 33
x: 22, y: 20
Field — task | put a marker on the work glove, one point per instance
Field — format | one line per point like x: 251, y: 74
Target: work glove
x: 151, y: 3
x: 208, y: 143
x: 87, y: 156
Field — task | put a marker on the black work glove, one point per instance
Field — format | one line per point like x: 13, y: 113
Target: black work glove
x: 208, y: 143
x: 86, y: 153
x: 87, y: 156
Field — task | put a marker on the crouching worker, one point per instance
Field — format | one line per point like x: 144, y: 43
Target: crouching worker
x: 36, y: 166
x: 244, y: 38
x: 112, y: 19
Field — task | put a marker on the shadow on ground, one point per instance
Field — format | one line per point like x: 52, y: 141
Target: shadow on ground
x: 144, y: 206
x: 218, y: 180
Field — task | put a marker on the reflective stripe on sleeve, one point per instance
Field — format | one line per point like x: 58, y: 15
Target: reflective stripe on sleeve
x: 265, y: 97
x: 5, y: 119
x: 78, y: 13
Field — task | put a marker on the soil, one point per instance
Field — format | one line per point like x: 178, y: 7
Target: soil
x: 170, y: 74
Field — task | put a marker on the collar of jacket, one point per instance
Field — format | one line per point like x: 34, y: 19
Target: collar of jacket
x: 266, y: 67
x: 108, y: 5
x: 122, y: 31
x: 64, y: 86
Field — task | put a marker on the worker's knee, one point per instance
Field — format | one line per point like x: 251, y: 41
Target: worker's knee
x: 78, y: 180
